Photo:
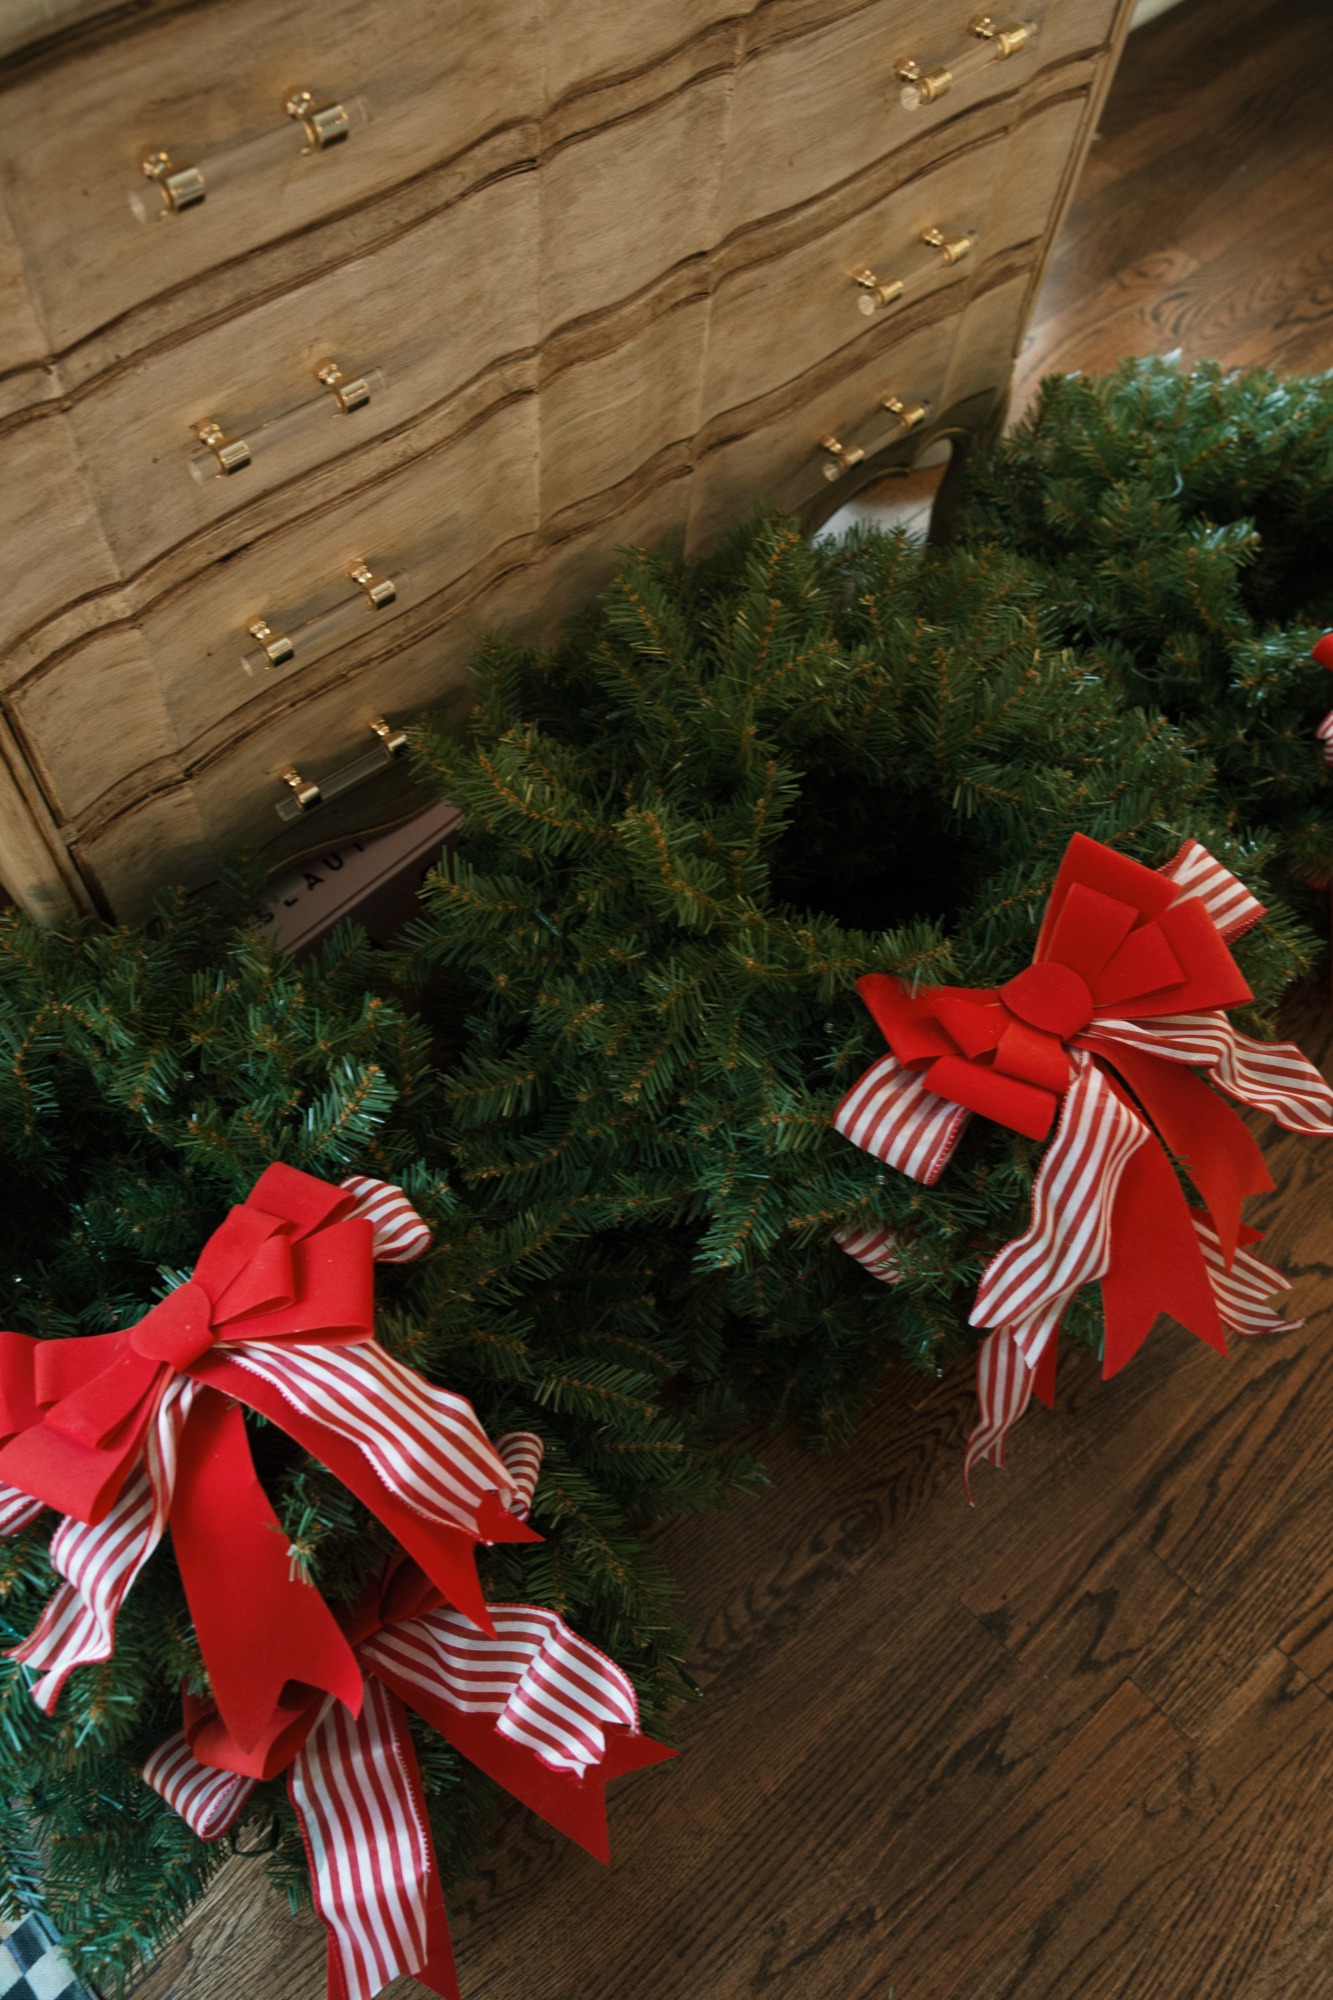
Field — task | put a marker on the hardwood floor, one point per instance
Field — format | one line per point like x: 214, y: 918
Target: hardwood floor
x: 1075, y: 1743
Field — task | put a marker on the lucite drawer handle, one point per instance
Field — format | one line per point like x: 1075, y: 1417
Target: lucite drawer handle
x: 910, y: 416
x: 221, y: 453
x: 176, y: 185
x: 304, y: 794
x: 842, y: 457
x: 950, y: 248
x: 990, y: 43
x: 276, y: 647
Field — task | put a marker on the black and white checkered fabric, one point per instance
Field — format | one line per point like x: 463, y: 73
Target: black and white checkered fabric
x: 33, y: 1967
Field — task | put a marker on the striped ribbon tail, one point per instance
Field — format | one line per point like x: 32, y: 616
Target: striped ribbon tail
x: 210, y: 1802
x: 356, y: 1790
x: 1324, y: 735
x: 1228, y: 902
x: 401, y: 1236
x: 890, y: 1114
x: 547, y: 1689
x: 876, y: 1249
x: 1004, y: 1390
x: 1243, y: 1292
x: 1027, y: 1287
x: 425, y: 1444
x: 99, y: 1564
x: 17, y: 1510
x: 522, y: 1452
x: 1267, y: 1076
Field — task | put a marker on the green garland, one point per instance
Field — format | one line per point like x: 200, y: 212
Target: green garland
x: 738, y: 787
x: 148, y: 1077
x: 1181, y: 524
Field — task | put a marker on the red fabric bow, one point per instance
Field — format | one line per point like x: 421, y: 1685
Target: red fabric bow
x: 120, y: 1430
x: 1123, y: 999
x: 537, y: 1708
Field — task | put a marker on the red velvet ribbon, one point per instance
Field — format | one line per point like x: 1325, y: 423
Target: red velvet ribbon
x: 573, y: 1803
x: 1116, y: 944
x: 290, y: 1267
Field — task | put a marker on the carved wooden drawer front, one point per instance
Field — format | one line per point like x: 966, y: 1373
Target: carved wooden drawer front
x: 591, y: 274
x: 795, y: 295
x: 795, y: 448
x: 134, y: 429
x: 199, y: 86
x: 812, y: 110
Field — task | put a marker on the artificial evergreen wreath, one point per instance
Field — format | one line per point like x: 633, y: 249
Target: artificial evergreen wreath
x: 149, y: 1077
x: 739, y: 788
x: 1182, y: 523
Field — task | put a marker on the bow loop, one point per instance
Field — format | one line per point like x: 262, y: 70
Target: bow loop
x: 1126, y: 991
x: 177, y: 1331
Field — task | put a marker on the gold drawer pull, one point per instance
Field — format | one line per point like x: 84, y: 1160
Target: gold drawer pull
x: 927, y: 84
x: 220, y: 455
x: 910, y: 415
x: 841, y: 456
x: 176, y: 187
x: 952, y: 246
x: 303, y: 794
x: 278, y: 646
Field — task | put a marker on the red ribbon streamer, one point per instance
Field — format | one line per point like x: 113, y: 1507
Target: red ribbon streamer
x: 122, y: 1430
x: 537, y: 1708
x: 1123, y: 999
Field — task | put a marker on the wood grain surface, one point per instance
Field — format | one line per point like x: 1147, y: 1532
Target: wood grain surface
x: 1075, y: 1743
x: 603, y: 256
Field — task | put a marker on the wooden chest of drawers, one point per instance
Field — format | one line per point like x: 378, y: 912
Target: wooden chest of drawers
x: 610, y: 270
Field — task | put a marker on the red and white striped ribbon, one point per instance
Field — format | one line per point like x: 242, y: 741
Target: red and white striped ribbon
x: 210, y: 1802
x: 1268, y: 1076
x: 352, y: 1784
x: 99, y: 1564
x: 522, y: 1452
x: 401, y: 1235
x: 424, y: 1443
x: 1004, y: 1390
x: 876, y: 1249
x: 1228, y: 902
x: 370, y: 1856
x: 890, y: 1114
x: 1324, y: 735
x: 1242, y: 1293
x: 1027, y: 1286
x: 17, y: 1510
x: 547, y: 1688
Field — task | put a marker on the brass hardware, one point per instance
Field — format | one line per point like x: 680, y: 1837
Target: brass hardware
x: 393, y: 741
x: 380, y: 590
x: 182, y: 187
x: 909, y: 415
x: 347, y: 395
x: 952, y: 249
x: 325, y: 124
x: 232, y: 454
x: 875, y: 292
x: 927, y: 86
x: 1005, y: 41
x: 304, y: 790
x: 841, y: 456
x: 922, y: 86
x: 276, y: 646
